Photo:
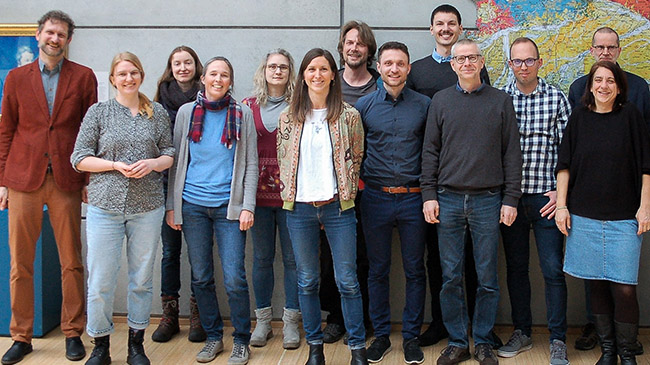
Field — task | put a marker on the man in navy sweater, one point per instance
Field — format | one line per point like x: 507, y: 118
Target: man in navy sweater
x: 429, y: 75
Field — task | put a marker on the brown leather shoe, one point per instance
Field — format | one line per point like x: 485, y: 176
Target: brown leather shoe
x: 484, y: 355
x: 451, y: 355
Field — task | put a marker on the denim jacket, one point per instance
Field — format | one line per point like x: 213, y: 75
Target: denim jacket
x: 346, y: 134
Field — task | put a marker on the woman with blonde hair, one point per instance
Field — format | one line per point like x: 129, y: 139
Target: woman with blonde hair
x: 125, y: 143
x: 273, y: 82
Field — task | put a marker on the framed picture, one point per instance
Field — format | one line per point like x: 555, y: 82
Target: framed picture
x: 17, y: 47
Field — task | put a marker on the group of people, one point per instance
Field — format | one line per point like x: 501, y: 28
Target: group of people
x: 332, y: 160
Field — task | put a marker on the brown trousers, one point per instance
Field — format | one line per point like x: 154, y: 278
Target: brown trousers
x: 25, y: 221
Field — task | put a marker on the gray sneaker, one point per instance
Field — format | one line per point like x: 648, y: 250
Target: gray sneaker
x: 517, y: 343
x: 558, y: 353
x: 209, y: 351
x: 239, y: 355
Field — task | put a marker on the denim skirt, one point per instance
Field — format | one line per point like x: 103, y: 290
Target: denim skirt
x: 603, y: 250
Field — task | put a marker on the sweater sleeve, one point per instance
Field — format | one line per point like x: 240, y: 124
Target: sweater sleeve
x: 511, y: 152
x: 251, y: 174
x: 565, y: 151
x: 431, y: 154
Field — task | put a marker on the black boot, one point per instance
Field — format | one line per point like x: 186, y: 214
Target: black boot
x: 359, y: 357
x: 316, y: 356
x: 136, y: 350
x: 605, y: 331
x: 168, y: 326
x: 626, y: 342
x: 101, y: 354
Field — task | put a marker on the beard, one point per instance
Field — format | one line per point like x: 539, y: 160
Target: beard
x: 52, y: 53
x: 356, y: 64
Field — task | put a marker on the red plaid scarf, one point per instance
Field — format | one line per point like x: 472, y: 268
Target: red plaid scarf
x: 232, y: 127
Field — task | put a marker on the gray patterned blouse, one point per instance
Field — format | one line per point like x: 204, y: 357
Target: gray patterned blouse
x: 110, y: 132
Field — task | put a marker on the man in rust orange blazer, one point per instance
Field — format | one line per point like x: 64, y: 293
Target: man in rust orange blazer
x: 42, y: 108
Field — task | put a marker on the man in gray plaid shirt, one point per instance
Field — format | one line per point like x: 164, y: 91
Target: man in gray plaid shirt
x: 542, y: 113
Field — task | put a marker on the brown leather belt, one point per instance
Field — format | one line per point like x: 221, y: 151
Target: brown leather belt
x: 324, y: 202
x: 400, y: 189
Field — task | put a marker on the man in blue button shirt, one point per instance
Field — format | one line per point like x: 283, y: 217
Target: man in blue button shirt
x: 394, y: 118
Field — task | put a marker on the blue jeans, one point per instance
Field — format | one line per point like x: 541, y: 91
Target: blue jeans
x: 105, y: 232
x: 480, y: 212
x: 380, y: 212
x: 340, y: 226
x: 266, y: 221
x: 550, y: 249
x: 201, y: 226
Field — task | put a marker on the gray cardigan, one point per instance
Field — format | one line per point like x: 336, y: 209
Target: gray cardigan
x: 245, y: 169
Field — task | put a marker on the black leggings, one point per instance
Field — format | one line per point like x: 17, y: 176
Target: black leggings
x: 620, y: 299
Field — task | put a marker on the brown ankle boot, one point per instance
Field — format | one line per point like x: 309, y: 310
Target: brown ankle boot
x: 168, y: 326
x: 197, y: 333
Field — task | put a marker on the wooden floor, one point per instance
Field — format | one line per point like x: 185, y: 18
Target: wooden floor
x: 50, y: 350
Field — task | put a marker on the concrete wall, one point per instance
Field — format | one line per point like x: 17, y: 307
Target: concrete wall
x: 244, y: 31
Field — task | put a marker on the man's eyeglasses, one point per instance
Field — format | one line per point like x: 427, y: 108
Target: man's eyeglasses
x: 273, y: 67
x: 528, y: 61
x: 473, y: 58
x: 601, y: 49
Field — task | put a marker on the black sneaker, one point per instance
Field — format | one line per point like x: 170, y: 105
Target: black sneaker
x: 588, y: 339
x: 333, y: 332
x: 412, y: 352
x: 378, y: 349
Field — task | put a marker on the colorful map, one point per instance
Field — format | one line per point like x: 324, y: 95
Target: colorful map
x: 562, y: 30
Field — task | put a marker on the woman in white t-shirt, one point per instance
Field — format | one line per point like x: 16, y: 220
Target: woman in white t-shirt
x: 320, y: 147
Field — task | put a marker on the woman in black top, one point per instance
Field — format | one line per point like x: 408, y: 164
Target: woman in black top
x: 179, y: 84
x: 603, y: 180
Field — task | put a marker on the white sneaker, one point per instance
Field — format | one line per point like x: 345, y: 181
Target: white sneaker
x: 209, y: 351
x: 239, y: 355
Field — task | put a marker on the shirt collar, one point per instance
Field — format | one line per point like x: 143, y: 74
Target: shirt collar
x: 481, y: 87
x: 384, y: 95
x: 45, y: 70
x: 438, y: 58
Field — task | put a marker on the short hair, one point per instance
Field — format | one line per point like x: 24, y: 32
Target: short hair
x: 145, y: 107
x: 260, y: 86
x: 230, y: 68
x: 394, y: 45
x: 524, y: 40
x: 606, y: 30
x: 464, y: 41
x: 168, y: 75
x: 58, y: 16
x: 588, y: 98
x: 365, y: 34
x: 301, y: 104
x: 446, y: 8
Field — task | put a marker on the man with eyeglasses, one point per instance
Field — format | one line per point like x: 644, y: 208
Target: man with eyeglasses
x: 357, y: 47
x: 605, y: 46
x: 542, y: 114
x: 471, y: 177
x: 428, y: 76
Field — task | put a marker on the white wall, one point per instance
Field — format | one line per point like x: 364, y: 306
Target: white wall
x: 244, y: 31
